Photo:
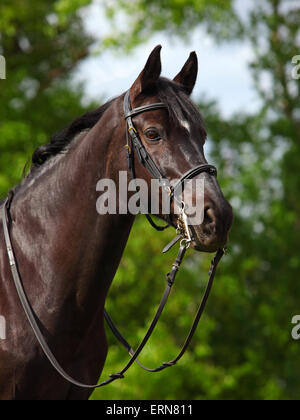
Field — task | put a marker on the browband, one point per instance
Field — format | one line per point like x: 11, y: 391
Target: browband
x: 129, y: 113
x: 145, y: 108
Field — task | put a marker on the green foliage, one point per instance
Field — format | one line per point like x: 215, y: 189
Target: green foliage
x: 144, y: 17
x: 37, y: 98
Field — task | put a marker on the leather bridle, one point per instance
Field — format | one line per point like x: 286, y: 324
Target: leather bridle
x: 133, y: 144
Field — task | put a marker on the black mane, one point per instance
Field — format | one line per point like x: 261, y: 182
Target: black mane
x: 62, y: 139
x: 170, y: 93
x: 179, y: 105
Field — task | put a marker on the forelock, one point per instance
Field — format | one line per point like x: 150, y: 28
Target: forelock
x: 180, y: 107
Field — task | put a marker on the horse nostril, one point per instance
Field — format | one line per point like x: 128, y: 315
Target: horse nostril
x: 209, y: 217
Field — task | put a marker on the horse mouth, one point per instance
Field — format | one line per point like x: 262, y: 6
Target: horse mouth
x: 207, y: 242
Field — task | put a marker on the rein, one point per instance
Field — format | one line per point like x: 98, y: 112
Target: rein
x: 133, y: 143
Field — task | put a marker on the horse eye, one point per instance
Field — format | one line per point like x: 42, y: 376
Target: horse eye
x: 152, y: 134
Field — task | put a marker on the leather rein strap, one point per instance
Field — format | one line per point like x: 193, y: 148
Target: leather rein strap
x: 146, y: 160
x: 127, y: 346
x: 134, y: 354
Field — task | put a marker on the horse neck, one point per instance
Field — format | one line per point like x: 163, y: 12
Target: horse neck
x: 56, y: 227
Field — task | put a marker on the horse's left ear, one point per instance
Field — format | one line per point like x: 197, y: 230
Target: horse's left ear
x: 188, y: 75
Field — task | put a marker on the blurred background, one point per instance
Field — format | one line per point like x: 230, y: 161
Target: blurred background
x: 67, y: 56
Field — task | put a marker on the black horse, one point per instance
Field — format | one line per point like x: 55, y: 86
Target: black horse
x: 68, y: 254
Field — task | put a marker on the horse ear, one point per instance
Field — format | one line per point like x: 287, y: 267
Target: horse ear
x: 188, y: 75
x: 149, y: 75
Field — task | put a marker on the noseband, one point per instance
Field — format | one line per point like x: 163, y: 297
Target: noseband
x: 133, y: 144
